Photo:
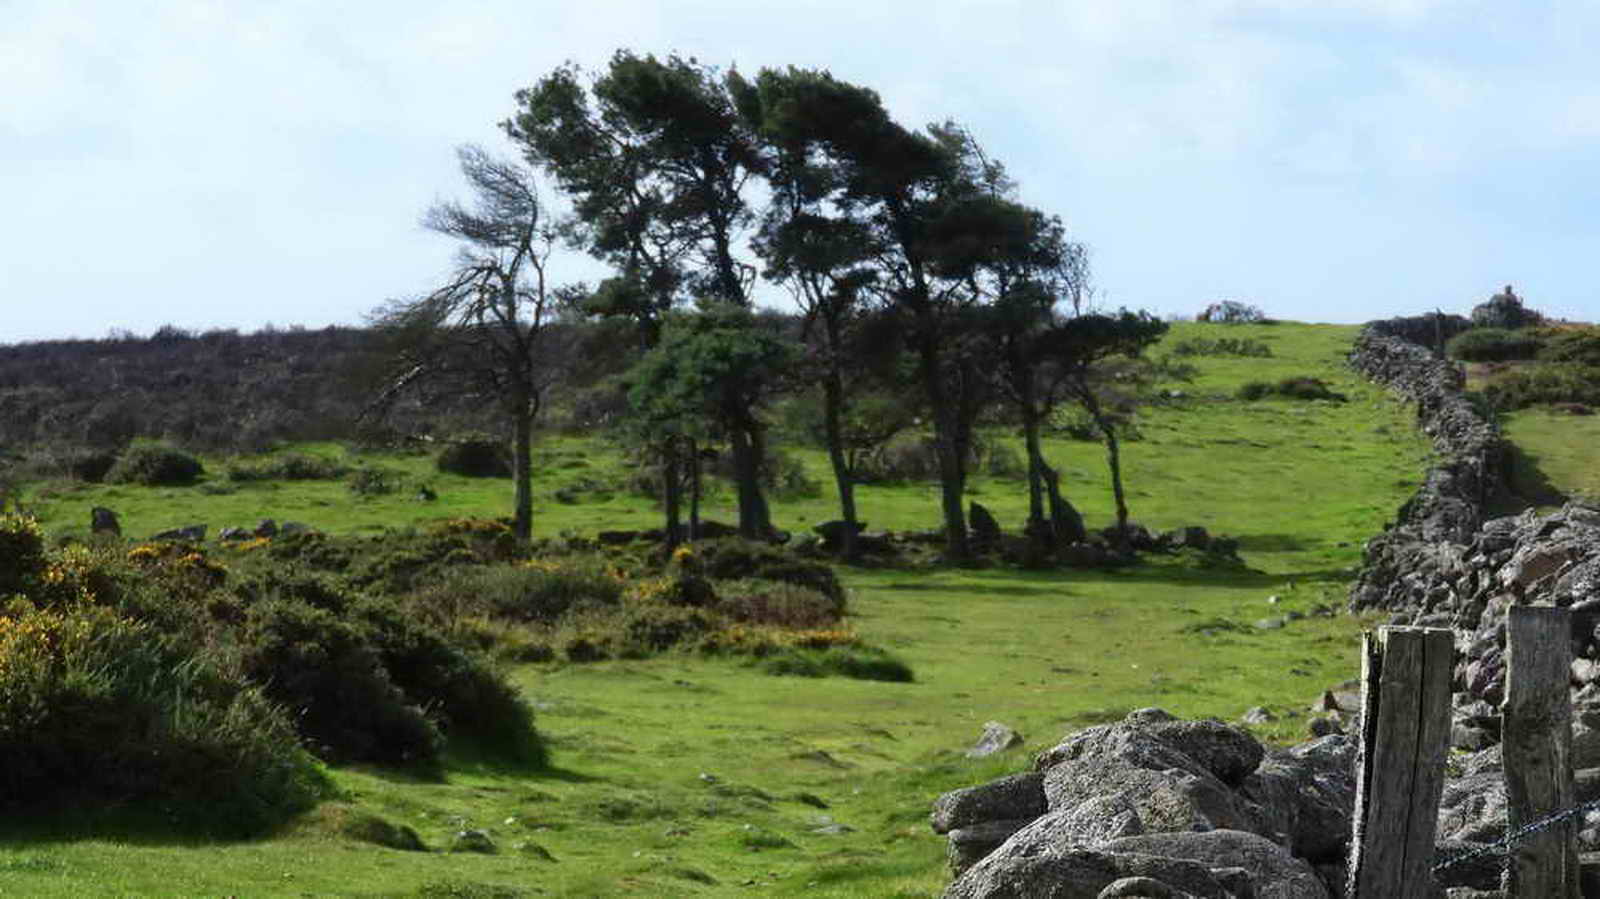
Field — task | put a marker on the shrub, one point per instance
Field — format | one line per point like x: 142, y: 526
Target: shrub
x: 1227, y: 346
x: 91, y: 466
x: 734, y: 558
x: 461, y: 690
x: 96, y: 708
x: 1579, y: 346
x: 373, y: 482
x: 1545, y: 383
x: 1301, y: 387
x: 1493, y: 345
x: 475, y: 456
x: 155, y: 465
x: 777, y: 604
x: 22, y: 556
x: 288, y: 467
x: 860, y: 662
x: 333, y: 680
x: 1002, y: 460
x: 540, y: 591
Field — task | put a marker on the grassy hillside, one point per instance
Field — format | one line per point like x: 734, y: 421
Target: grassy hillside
x: 683, y: 775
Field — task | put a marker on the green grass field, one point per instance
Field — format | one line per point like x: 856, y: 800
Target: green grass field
x: 682, y: 775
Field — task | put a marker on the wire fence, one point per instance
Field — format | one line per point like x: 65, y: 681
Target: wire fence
x: 1504, y: 845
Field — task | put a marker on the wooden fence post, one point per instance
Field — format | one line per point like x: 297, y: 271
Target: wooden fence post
x: 1536, y: 737
x: 1405, y: 736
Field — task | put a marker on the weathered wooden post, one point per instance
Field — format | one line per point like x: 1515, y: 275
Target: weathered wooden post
x: 1405, y: 736
x: 1536, y: 737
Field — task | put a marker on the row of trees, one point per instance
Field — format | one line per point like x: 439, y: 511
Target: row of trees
x: 903, y: 249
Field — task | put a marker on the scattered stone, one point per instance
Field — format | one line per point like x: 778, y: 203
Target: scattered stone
x: 266, y: 528
x: 104, y: 521
x: 194, y: 533
x: 996, y: 738
x: 1258, y: 715
x: 986, y: 531
x: 474, y: 841
x: 232, y: 534
x: 1270, y: 624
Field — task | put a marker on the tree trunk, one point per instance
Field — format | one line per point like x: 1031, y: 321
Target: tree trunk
x: 754, y: 523
x: 694, y: 490
x: 1040, y: 527
x: 952, y: 468
x: 832, y: 413
x: 671, y: 492
x: 522, y: 466
x: 1114, y: 460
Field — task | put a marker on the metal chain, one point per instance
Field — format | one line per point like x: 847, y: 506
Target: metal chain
x: 1504, y: 844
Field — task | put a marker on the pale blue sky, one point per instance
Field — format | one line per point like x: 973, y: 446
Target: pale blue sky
x: 212, y: 164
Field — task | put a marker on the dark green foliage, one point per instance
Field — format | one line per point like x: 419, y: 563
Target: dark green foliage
x: 1580, y: 346
x: 332, y: 679
x: 778, y: 604
x: 91, y: 465
x: 1226, y: 346
x: 96, y: 709
x: 288, y: 467
x: 652, y: 627
x: 460, y: 690
x: 373, y: 482
x: 845, y: 661
x: 475, y: 456
x: 1493, y: 345
x: 21, y: 552
x: 155, y: 465
x: 734, y: 558
x: 1296, y: 388
x: 1560, y: 382
x: 539, y: 593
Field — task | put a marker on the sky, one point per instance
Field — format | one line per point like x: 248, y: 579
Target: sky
x: 240, y: 164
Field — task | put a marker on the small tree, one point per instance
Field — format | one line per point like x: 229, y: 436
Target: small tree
x: 710, y: 377
x: 1079, y: 347
x: 486, y: 332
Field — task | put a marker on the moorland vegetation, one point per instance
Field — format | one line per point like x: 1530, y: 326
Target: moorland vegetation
x: 365, y: 687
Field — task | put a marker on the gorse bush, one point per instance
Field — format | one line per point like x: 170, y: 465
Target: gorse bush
x: 325, y: 671
x: 1493, y: 345
x: 22, y: 555
x: 95, y: 707
x: 155, y: 465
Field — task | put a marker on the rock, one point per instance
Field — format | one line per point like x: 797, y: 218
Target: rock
x: 1009, y: 798
x: 232, y: 534
x: 1228, y: 752
x: 294, y: 527
x: 104, y: 521
x: 1077, y: 873
x: 1270, y: 624
x: 986, y: 531
x: 474, y: 841
x: 1274, y: 873
x: 1481, y: 872
x: 1306, y: 796
x: 616, y: 538
x: 996, y: 738
x: 1143, y: 887
x: 1258, y: 715
x: 193, y: 532
x: 968, y: 845
x: 266, y: 528
x: 833, y: 533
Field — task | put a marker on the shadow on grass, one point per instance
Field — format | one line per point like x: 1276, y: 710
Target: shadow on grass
x: 1527, y: 485
x: 1272, y: 543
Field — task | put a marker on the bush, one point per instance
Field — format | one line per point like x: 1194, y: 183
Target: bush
x: 1544, y: 383
x: 333, y: 680
x: 475, y: 456
x: 91, y: 466
x: 98, y: 709
x: 539, y: 591
x: 1301, y: 387
x: 461, y: 690
x: 776, y: 604
x: 22, y: 556
x: 859, y: 662
x: 1581, y: 347
x: 1227, y: 346
x: 1493, y: 345
x: 734, y: 558
x: 288, y: 467
x: 373, y: 482
x: 155, y: 465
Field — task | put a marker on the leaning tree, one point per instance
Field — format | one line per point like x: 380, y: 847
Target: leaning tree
x: 486, y: 331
